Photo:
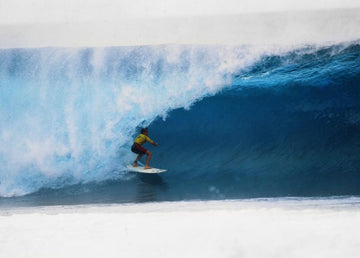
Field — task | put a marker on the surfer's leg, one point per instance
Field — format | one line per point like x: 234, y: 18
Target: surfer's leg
x: 148, y: 153
x: 137, y: 159
x: 136, y: 148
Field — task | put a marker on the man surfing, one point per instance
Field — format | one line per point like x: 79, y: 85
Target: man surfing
x: 138, y: 149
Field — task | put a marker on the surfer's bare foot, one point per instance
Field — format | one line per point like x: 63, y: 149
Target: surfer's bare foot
x: 147, y: 167
x: 135, y: 164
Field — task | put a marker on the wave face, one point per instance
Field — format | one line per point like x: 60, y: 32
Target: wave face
x: 231, y: 122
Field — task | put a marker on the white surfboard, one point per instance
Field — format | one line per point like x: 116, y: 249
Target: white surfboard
x: 140, y: 169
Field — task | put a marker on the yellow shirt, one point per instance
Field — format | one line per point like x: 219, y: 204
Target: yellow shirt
x: 142, y: 138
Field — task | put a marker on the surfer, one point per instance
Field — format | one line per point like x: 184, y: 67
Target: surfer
x: 138, y: 149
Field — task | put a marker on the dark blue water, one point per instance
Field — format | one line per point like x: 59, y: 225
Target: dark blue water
x: 286, y: 125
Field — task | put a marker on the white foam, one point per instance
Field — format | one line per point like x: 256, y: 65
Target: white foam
x: 40, y: 11
x: 270, y: 228
x: 80, y: 126
x: 117, y: 23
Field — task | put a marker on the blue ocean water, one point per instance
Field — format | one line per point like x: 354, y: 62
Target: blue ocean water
x: 231, y: 122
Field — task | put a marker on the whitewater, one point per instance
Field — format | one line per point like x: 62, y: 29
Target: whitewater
x: 255, y: 108
x: 249, y: 228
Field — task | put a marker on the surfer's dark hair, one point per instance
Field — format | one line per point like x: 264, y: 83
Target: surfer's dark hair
x: 143, y: 130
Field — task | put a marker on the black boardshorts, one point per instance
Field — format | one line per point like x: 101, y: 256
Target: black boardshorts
x: 138, y: 149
